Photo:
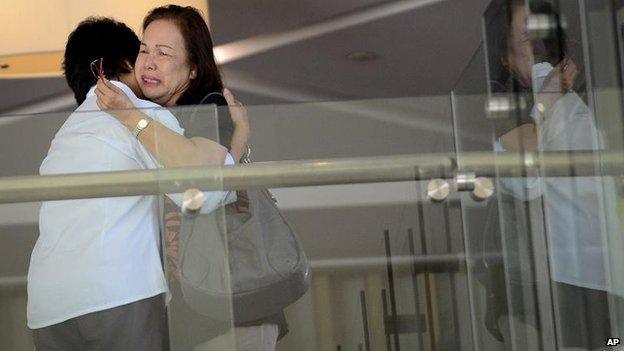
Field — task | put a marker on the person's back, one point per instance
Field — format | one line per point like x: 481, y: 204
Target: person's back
x: 95, y: 279
x: 97, y: 232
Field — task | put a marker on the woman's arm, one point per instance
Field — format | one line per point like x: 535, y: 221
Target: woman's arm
x: 522, y: 138
x: 559, y: 81
x: 240, y: 137
x: 169, y: 147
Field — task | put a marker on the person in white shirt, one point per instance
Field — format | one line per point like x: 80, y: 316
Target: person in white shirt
x: 95, y: 279
x: 580, y: 220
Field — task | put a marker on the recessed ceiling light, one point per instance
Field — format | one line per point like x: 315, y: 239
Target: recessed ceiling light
x: 362, y: 56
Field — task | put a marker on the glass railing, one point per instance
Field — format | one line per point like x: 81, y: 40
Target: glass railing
x: 411, y: 244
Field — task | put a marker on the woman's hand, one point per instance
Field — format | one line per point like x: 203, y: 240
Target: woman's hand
x: 561, y: 78
x: 240, y: 138
x: 570, y: 71
x: 559, y: 82
x: 110, y: 97
x: 238, y: 112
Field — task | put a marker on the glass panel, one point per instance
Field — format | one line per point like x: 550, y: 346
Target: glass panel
x: 390, y: 268
x: 341, y: 226
x: 473, y: 133
x: 351, y: 231
x: 88, y: 251
x: 195, y: 254
x: 548, y: 77
x: 21, y: 155
x: 602, y: 28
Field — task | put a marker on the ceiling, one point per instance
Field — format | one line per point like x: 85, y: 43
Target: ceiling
x: 418, y: 52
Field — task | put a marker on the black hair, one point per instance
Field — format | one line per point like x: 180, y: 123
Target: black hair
x: 207, y: 87
x: 552, y: 48
x: 496, y: 29
x: 94, y: 38
x: 498, y: 18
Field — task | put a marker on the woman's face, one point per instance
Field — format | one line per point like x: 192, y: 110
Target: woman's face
x: 162, y: 68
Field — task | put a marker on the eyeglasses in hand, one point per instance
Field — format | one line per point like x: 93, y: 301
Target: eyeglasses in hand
x: 97, y: 67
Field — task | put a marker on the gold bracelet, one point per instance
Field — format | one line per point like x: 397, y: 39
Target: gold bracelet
x: 143, y: 123
x: 246, y: 156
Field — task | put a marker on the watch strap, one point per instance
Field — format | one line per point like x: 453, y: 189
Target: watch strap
x: 141, y: 125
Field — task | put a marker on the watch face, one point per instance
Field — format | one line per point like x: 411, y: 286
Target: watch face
x: 142, y: 123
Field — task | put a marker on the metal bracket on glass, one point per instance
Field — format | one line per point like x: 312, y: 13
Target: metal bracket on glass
x: 501, y: 106
x: 465, y: 181
x: 480, y: 188
x: 438, y: 189
x: 483, y: 189
x: 543, y: 26
x: 192, y: 202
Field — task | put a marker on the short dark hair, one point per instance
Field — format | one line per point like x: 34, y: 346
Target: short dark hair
x: 94, y: 38
x: 198, y: 43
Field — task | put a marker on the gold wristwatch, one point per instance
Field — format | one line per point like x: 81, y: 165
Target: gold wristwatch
x: 143, y: 123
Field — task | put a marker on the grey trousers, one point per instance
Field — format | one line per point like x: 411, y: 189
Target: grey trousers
x: 134, y: 327
x: 257, y: 338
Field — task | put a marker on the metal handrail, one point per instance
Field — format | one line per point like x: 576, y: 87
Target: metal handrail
x: 281, y: 174
x: 12, y: 282
x: 444, y: 262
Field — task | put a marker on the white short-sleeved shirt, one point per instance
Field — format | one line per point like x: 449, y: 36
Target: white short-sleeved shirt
x: 579, y: 212
x: 96, y: 254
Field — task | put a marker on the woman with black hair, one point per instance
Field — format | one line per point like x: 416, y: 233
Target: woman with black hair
x: 176, y: 66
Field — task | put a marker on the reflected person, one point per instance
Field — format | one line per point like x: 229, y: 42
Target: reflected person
x: 579, y: 218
